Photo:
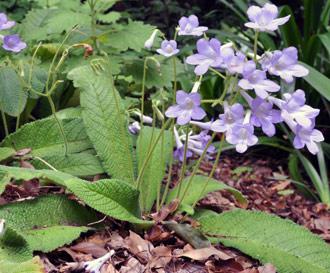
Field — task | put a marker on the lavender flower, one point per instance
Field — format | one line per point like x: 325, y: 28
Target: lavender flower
x: 179, y: 151
x: 232, y: 115
x: 168, y: 48
x: 293, y: 108
x: 284, y: 64
x: 242, y: 137
x: 13, y: 43
x: 198, y: 143
x: 256, y: 79
x: 264, y: 116
x: 134, y: 128
x: 202, y: 125
x: 264, y: 19
x: 209, y: 55
x: 4, y: 23
x: 234, y: 63
x: 308, y: 137
x: 187, y: 108
x: 190, y: 26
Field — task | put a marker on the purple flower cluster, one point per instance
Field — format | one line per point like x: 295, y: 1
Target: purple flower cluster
x: 196, y: 145
x: 13, y: 42
x: 254, y: 82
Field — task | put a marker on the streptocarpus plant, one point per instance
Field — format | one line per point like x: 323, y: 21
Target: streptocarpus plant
x: 135, y: 188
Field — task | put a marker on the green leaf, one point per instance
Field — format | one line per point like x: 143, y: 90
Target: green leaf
x: 105, y: 121
x: 110, y: 196
x: 34, y: 265
x: 133, y: 36
x: 289, y: 247
x: 6, y: 152
x: 110, y: 17
x: 318, y: 81
x: 12, y: 96
x: 290, y: 32
x: 156, y: 76
x: 13, y: 246
x: 80, y: 164
x: 196, y: 190
x: 50, y: 238
x: 46, y: 211
x: 325, y: 40
x: 32, y: 27
x: 45, y: 139
x: 155, y: 169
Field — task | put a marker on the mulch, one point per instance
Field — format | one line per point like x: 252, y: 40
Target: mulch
x: 261, y: 178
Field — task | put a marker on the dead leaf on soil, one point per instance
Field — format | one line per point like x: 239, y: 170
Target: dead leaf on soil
x: 204, y: 253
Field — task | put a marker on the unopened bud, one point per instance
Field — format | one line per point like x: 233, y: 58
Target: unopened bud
x: 196, y: 87
x: 149, y: 43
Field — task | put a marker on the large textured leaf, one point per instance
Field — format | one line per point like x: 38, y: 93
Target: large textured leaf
x: 112, y: 197
x: 109, y: 196
x: 6, y: 152
x: 105, y: 121
x: 155, y: 169
x: 31, y: 266
x: 133, y: 35
x: 44, y: 137
x: 80, y: 164
x: 39, y: 220
x: 48, y: 239
x: 318, y: 81
x: 12, y: 96
x: 291, y: 248
x: 196, y: 190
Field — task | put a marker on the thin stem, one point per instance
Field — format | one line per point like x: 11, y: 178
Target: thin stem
x: 218, y: 73
x: 146, y: 161
x: 174, y: 78
x: 184, y: 163
x: 255, y: 47
x: 45, y: 162
x: 53, y: 109
x: 161, y: 163
x: 169, y: 175
x: 143, y: 89
x: 197, y: 167
x: 215, y: 164
x: 4, y: 120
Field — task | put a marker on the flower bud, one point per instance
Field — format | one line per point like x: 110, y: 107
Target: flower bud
x: 148, y: 43
x: 196, y: 87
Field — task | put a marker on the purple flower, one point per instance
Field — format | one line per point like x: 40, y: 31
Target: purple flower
x: 202, y: 125
x: 134, y: 128
x: 308, y: 137
x: 256, y: 79
x: 190, y: 26
x: 232, y: 115
x: 168, y: 48
x: 241, y: 136
x: 264, y: 19
x: 264, y: 116
x: 198, y: 143
x: 13, y: 43
x: 209, y: 55
x: 179, y: 153
x: 284, y: 64
x: 4, y: 23
x: 293, y: 108
x: 187, y: 108
x: 234, y: 63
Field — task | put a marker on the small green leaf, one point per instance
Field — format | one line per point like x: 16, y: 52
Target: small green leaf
x: 12, y: 96
x: 318, y: 81
x: 325, y: 39
x: 289, y: 247
x: 6, y: 152
x: 198, y: 184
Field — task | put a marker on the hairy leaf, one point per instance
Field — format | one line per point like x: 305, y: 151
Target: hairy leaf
x: 44, y: 137
x: 198, y: 184
x: 105, y: 121
x: 290, y: 247
x: 80, y: 164
x: 133, y: 35
x: 12, y: 96
x: 111, y: 197
x: 155, y: 169
x: 6, y: 152
x: 34, y: 265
